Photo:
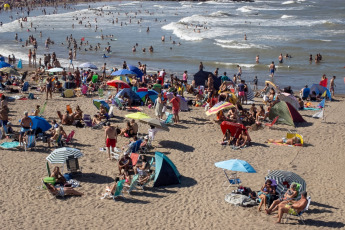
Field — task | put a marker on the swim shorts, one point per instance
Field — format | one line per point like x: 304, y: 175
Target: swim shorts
x: 111, y: 143
x: 241, y: 93
x: 24, y: 130
x: 272, y: 70
x: 291, y: 210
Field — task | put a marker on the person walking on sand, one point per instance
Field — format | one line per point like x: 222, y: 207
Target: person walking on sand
x: 110, y: 138
x: 272, y: 69
x: 332, y: 86
x: 175, y: 107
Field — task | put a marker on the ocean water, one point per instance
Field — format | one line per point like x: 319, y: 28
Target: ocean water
x: 211, y: 32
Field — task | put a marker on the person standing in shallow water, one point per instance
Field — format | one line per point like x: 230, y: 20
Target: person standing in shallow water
x: 272, y: 69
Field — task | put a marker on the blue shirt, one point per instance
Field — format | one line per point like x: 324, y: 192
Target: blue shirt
x: 306, y: 92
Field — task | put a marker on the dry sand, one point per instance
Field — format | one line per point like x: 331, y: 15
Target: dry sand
x: 198, y: 202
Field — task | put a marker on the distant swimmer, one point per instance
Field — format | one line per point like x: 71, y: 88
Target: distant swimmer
x: 280, y: 58
x: 163, y: 38
x: 257, y: 59
x: 134, y: 49
x: 272, y: 69
x: 245, y: 36
x: 310, y: 57
x: 148, y: 29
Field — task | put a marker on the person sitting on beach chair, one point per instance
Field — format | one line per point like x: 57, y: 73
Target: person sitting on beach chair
x: 78, y: 114
x: 290, y: 194
x: 266, y: 192
x: 102, y: 112
x: 125, y: 164
x: 59, y: 178
x: 142, y: 168
x: 112, y: 188
x: 62, y: 191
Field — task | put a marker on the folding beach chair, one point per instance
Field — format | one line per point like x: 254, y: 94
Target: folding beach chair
x: 30, y: 142
x: 151, y: 178
x: 87, y: 120
x: 111, y: 112
x: 118, y: 104
x: 233, y: 180
x: 70, y: 137
x: 269, y: 125
x: 100, y: 93
x: 118, y: 191
x: 40, y: 114
x: 133, y: 184
x: 169, y: 119
x: 299, y: 215
x: 58, y: 142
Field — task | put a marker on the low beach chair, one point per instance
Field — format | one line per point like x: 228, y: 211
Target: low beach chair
x: 40, y: 114
x: 118, y: 104
x: 118, y: 191
x: 169, y: 119
x: 87, y: 120
x: 30, y: 142
x: 299, y: 215
x: 100, y: 93
x: 151, y: 178
x: 269, y: 125
x: 233, y: 180
x: 69, y: 138
x: 133, y: 184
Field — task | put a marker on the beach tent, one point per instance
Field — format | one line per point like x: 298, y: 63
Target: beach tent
x: 4, y: 64
x: 291, y: 99
x: 201, y: 77
x: 287, y: 113
x: 235, y: 128
x: 166, y: 172
x: 320, y: 89
x: 132, y: 95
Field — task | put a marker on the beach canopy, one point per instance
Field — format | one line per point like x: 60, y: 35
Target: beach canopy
x: 284, y: 180
x: 166, y: 172
x: 98, y: 104
x: 235, y: 128
x: 236, y: 165
x: 136, y: 70
x: 55, y: 70
x: 155, y: 122
x: 201, y: 78
x: 4, y: 64
x: 40, y: 122
x: 319, y: 89
x: 288, y: 115
x: 137, y: 115
x: 123, y: 72
x: 59, y: 156
x: 218, y: 107
x: 10, y: 71
x: 291, y: 99
x: 118, y: 84
x: 122, y: 78
x: 88, y: 65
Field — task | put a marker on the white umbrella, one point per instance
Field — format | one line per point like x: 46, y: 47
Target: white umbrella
x: 88, y: 65
x: 59, y: 156
x: 55, y: 70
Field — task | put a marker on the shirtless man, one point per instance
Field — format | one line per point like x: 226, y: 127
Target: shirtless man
x: 280, y: 58
x: 66, y: 119
x: 294, y: 208
x: 26, y: 125
x: 332, y: 86
x: 134, y: 127
x: 272, y: 69
x: 110, y: 138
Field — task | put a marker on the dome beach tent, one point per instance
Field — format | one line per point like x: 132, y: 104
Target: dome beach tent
x: 166, y: 172
x: 320, y: 89
x: 291, y: 99
x: 288, y: 115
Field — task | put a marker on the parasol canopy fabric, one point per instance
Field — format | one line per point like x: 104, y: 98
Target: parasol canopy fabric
x: 218, y: 107
x: 155, y: 122
x: 10, y: 71
x: 118, y: 84
x: 59, y: 156
x: 284, y: 179
x: 137, y: 115
x: 98, y: 104
x: 236, y: 165
x: 88, y: 65
x: 40, y: 122
x: 123, y: 72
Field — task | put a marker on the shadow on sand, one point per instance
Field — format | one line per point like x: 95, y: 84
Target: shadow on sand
x: 95, y: 178
x: 176, y: 145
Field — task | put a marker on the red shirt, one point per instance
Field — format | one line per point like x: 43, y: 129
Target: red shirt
x: 175, y: 103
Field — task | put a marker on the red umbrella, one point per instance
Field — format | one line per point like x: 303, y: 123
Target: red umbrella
x: 118, y: 84
x: 142, y: 90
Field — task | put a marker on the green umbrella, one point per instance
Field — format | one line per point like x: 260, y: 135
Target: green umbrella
x: 137, y: 115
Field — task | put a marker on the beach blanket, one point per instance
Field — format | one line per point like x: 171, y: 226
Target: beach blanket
x: 10, y: 145
x: 284, y: 144
x: 239, y: 200
x: 310, y: 108
x: 135, y: 109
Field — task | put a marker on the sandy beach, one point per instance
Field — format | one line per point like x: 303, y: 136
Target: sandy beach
x: 198, y: 202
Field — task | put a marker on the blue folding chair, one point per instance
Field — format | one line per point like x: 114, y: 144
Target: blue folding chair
x: 233, y: 181
x: 169, y: 119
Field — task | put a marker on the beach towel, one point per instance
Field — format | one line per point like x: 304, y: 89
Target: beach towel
x: 239, y: 200
x: 284, y: 144
x: 10, y: 145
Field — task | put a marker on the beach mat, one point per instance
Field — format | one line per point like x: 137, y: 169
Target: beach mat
x: 10, y: 145
x: 312, y: 109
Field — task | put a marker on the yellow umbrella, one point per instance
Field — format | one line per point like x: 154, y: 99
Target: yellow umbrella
x: 7, y: 5
x: 137, y: 115
x: 10, y: 71
x: 123, y: 78
x: 271, y: 83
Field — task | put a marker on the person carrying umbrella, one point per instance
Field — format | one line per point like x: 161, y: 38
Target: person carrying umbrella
x: 26, y: 124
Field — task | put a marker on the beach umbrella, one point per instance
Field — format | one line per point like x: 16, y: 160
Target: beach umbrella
x: 272, y: 84
x: 40, y: 122
x: 236, y: 165
x: 123, y: 72
x: 118, y: 84
x: 2, y: 58
x: 284, y: 179
x: 142, y: 90
x: 55, y: 70
x: 137, y: 115
x: 218, y: 107
x: 136, y: 70
x: 4, y: 64
x: 59, y: 156
x: 122, y: 78
x: 155, y: 122
x: 88, y: 65
x: 10, y: 71
x: 142, y: 95
x: 6, y: 5
x: 152, y: 94
x: 98, y: 104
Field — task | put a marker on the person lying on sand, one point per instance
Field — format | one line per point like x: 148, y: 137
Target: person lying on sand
x: 290, y: 194
x: 62, y: 191
x: 292, y: 207
x: 289, y: 141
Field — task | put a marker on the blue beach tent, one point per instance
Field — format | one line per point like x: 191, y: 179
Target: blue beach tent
x: 166, y: 172
x: 319, y: 89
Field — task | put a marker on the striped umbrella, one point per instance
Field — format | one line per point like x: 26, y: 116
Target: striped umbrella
x: 284, y: 179
x: 59, y: 156
x: 218, y: 107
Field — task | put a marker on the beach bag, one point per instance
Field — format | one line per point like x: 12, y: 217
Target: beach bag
x: 31, y: 96
x: 79, y: 124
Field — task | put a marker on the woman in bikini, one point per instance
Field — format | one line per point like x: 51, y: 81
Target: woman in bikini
x: 290, y: 194
x: 290, y: 141
x: 59, y: 178
x: 62, y: 191
x: 265, y: 194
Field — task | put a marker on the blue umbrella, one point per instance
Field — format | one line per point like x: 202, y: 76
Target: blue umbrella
x: 152, y: 95
x: 123, y: 72
x: 136, y: 70
x: 98, y: 103
x: 88, y: 65
x: 236, y: 165
x: 4, y: 64
x: 40, y: 122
